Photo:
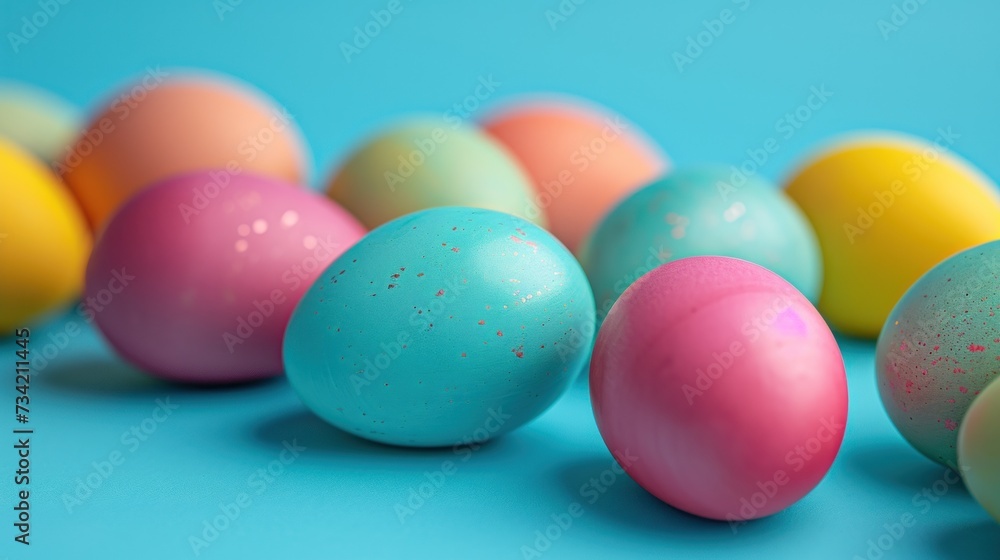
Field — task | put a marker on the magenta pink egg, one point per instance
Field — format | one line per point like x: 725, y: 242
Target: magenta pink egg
x: 720, y: 388
x: 195, y: 278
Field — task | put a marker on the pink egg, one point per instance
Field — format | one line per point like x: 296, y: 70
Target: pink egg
x: 719, y: 388
x: 195, y: 278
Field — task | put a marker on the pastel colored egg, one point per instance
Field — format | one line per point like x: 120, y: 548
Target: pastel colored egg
x: 37, y: 120
x: 582, y: 160
x: 698, y: 211
x: 939, y: 348
x: 887, y: 208
x: 719, y: 388
x: 194, y: 279
x: 44, y: 240
x: 165, y: 125
x: 426, y: 163
x: 979, y: 449
x: 443, y: 327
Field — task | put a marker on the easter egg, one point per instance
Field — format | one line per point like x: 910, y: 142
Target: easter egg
x: 164, y: 125
x: 37, y: 120
x: 697, y: 211
x: 719, y: 388
x: 979, y: 449
x: 940, y: 347
x: 886, y: 209
x: 44, y: 240
x: 195, y: 281
x: 425, y: 163
x: 582, y: 160
x: 449, y: 326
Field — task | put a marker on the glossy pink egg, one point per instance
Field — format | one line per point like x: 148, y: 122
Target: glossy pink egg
x: 719, y: 388
x: 195, y: 278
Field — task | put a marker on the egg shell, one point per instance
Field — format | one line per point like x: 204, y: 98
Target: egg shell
x: 979, y: 449
x: 886, y: 208
x: 698, y: 211
x: 44, y: 241
x: 447, y: 326
x: 194, y: 280
x: 940, y: 347
x: 582, y: 160
x: 37, y: 120
x: 425, y: 163
x: 166, y: 124
x: 719, y: 388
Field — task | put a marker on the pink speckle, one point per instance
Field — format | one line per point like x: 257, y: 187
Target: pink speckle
x: 516, y: 239
x: 950, y: 424
x: 958, y: 370
x: 463, y: 354
x: 439, y: 293
x: 963, y: 390
x: 519, y: 351
x: 482, y: 322
x: 902, y: 347
x: 976, y: 348
x: 499, y: 333
x: 936, y: 348
x: 454, y: 249
x: 950, y: 401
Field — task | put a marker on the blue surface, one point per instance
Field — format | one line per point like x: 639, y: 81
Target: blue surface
x: 337, y: 498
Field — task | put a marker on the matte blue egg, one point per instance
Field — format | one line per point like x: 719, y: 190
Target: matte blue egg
x: 699, y: 211
x: 447, y: 326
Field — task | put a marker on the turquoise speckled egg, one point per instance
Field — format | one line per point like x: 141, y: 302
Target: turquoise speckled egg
x: 447, y: 326
x: 699, y: 212
x: 940, y: 347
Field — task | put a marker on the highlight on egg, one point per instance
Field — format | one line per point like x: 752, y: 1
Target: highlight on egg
x: 38, y: 120
x: 198, y: 287
x: 940, y: 348
x: 171, y: 122
x: 427, y: 162
x: 45, y: 241
x: 448, y: 326
x: 719, y: 388
x: 886, y: 208
x: 582, y: 159
x: 699, y: 211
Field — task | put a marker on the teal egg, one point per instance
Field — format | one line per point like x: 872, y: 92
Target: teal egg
x: 447, y: 326
x: 940, y: 348
x: 697, y: 212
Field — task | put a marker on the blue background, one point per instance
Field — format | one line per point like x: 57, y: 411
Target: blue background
x: 337, y: 498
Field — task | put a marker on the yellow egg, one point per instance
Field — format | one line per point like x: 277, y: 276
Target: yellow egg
x: 886, y: 209
x: 44, y: 241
